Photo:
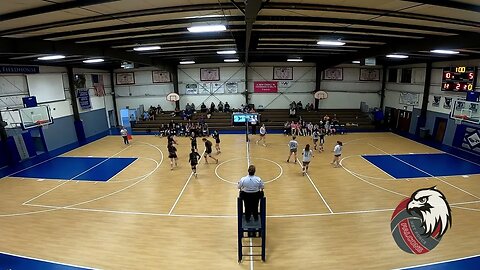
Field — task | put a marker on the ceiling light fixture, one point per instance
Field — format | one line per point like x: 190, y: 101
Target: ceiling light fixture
x: 230, y: 60
x: 356, y: 62
x: 294, y: 60
x: 444, y: 51
x: 399, y: 56
x: 187, y: 62
x: 90, y: 61
x: 207, y: 28
x: 51, y: 57
x: 330, y: 43
x: 227, y: 52
x: 146, y: 48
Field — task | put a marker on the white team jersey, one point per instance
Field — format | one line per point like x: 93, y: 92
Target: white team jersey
x: 307, y: 155
x: 263, y: 131
x: 124, y: 132
x: 316, y: 135
x: 337, y: 150
x: 293, y: 144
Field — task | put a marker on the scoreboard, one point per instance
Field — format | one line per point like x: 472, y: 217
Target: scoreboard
x: 459, y: 79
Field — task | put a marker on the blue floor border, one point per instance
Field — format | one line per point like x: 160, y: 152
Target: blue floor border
x: 466, y: 263
x: 439, y: 146
x: 51, y: 154
x: 12, y: 261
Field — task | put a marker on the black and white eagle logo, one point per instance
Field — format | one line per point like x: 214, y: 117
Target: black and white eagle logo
x: 430, y: 204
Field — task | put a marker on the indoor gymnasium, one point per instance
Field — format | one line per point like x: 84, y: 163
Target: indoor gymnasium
x: 229, y: 134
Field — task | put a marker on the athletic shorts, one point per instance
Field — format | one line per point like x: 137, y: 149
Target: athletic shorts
x: 193, y: 164
x: 293, y: 150
x: 261, y: 135
x: 217, y: 141
x: 315, y: 140
x: 208, y: 152
x: 172, y: 155
x: 338, y: 155
x: 305, y: 163
x: 322, y: 141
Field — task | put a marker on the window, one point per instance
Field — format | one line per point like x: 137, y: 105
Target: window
x: 406, y: 75
x: 392, y: 75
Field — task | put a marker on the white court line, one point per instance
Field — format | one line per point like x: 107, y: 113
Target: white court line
x: 66, y: 181
x: 466, y: 208
x: 92, y: 200
x: 61, y: 155
x: 368, y: 182
x: 248, y: 165
x: 377, y: 167
x: 235, y: 183
x: 427, y: 173
x: 318, y: 192
x: 122, y: 170
x: 100, y: 163
x: 184, y: 187
x: 219, y: 216
x: 428, y: 264
x: 48, y: 261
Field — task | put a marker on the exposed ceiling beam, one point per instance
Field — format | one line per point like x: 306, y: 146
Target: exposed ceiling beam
x: 272, y: 20
x: 251, y: 11
x: 235, y: 4
x: 368, y: 11
x: 449, y: 4
x: 113, y: 16
x: 52, y: 8
x: 451, y: 42
x: 35, y: 46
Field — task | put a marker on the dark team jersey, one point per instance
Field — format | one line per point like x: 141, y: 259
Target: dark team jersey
x: 208, y: 146
x: 193, y: 140
x: 216, y: 136
x: 170, y: 139
x: 194, y: 157
x: 172, y: 149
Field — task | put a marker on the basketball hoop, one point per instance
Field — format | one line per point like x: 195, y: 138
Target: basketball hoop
x: 321, y: 95
x: 173, y: 97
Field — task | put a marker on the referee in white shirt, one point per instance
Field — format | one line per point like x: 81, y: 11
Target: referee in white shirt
x: 251, y: 191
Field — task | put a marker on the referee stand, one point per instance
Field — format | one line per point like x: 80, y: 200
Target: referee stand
x: 251, y: 230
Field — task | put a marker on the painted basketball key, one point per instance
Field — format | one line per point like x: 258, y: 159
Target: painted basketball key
x: 419, y: 222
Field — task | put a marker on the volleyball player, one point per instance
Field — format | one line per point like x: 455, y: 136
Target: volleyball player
x: 263, y: 133
x: 315, y: 137
x: 293, y: 144
x: 307, y: 155
x: 337, y: 152
x: 322, y: 139
x: 193, y: 159
x: 193, y: 140
x: 208, y: 150
x: 172, y: 155
x: 171, y: 139
x: 216, y: 136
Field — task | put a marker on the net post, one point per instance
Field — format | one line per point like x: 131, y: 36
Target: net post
x: 240, y: 229
x: 246, y: 130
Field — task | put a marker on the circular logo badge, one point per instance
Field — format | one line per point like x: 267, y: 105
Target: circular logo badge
x: 419, y: 222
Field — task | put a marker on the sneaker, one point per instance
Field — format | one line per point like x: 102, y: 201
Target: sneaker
x: 288, y: 160
x: 195, y: 175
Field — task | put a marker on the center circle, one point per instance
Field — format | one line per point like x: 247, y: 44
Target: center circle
x: 243, y: 158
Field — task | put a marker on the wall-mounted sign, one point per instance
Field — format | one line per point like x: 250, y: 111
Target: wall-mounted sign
x: 265, y: 87
x: 19, y: 69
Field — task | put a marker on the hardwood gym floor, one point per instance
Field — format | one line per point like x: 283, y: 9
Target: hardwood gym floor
x: 148, y: 217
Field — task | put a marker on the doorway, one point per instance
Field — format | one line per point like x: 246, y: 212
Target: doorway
x: 439, y: 129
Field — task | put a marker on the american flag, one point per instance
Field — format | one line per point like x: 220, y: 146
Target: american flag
x: 97, y: 80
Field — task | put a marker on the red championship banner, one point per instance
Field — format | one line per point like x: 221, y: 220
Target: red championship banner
x: 265, y: 87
